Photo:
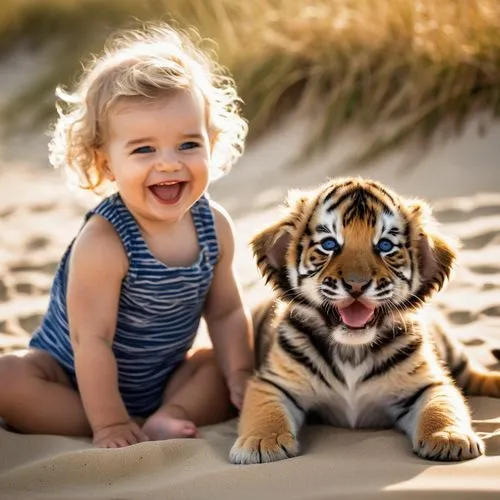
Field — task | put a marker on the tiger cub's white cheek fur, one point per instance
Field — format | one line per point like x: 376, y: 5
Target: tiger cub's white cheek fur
x: 399, y: 292
x: 310, y: 288
x: 293, y: 276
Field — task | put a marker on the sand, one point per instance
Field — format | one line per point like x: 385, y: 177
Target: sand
x: 460, y: 176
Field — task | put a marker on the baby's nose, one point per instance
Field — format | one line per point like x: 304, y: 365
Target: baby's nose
x: 169, y: 161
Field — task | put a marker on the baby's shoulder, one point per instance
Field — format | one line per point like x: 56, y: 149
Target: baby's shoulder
x: 221, y: 215
x: 99, y: 228
x: 99, y: 239
x: 224, y: 227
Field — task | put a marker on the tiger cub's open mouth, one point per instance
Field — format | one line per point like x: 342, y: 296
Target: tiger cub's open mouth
x: 357, y: 315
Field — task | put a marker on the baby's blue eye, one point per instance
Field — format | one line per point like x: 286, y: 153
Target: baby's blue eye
x: 330, y: 244
x: 385, y: 245
x: 143, y: 149
x: 188, y: 145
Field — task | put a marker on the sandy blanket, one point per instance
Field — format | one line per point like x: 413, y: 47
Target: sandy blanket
x: 38, y: 217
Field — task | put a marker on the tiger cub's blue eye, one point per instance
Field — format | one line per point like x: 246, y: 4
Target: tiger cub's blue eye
x: 385, y: 245
x: 330, y: 244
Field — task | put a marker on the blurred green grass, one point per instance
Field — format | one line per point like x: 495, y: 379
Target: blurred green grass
x: 415, y: 63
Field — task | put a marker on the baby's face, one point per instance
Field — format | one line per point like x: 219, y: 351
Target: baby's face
x: 158, y: 153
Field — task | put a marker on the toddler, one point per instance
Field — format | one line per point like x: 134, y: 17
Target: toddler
x: 150, y: 124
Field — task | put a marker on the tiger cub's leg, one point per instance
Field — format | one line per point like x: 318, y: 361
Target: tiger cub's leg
x: 474, y: 379
x: 482, y: 383
x: 268, y: 427
x: 438, y: 422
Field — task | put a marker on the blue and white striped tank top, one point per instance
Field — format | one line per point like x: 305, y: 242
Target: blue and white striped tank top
x: 159, y: 309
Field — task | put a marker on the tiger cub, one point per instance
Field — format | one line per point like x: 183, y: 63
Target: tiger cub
x: 347, y: 338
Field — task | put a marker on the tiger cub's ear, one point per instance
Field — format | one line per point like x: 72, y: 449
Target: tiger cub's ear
x: 435, y: 252
x: 271, y: 245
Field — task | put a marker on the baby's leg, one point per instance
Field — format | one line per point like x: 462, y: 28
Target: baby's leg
x: 196, y: 395
x: 36, y: 396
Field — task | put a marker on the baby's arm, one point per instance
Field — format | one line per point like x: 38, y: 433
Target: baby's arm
x: 228, y: 321
x: 97, y: 266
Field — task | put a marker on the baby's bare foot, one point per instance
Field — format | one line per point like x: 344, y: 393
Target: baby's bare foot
x: 160, y: 426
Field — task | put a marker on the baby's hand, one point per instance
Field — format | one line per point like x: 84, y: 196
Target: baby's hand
x: 119, y: 435
x: 237, y: 384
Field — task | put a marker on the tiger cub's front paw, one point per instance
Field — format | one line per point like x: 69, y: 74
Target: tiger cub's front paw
x: 257, y: 449
x: 450, y: 445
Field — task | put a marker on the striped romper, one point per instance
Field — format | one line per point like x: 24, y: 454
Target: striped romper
x: 159, y: 309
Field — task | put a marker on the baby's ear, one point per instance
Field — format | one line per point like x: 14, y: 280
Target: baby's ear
x: 436, y: 253
x: 102, y: 165
x: 272, y: 244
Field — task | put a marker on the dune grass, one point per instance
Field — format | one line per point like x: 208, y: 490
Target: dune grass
x: 415, y: 63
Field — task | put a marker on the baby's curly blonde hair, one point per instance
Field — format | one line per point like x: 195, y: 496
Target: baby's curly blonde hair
x: 143, y: 63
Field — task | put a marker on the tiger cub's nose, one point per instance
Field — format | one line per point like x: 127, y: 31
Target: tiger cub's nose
x: 356, y: 284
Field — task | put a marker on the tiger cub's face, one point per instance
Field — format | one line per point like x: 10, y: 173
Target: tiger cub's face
x: 356, y: 251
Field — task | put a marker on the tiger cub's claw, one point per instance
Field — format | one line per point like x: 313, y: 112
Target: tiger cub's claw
x: 450, y: 446
x: 257, y: 449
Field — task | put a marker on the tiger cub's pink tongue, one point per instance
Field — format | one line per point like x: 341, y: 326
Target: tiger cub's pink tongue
x: 167, y: 192
x: 356, y: 315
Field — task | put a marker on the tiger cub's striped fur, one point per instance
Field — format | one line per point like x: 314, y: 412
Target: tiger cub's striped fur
x: 347, y: 337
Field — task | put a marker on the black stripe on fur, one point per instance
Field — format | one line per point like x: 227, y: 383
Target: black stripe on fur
x: 459, y: 368
x: 407, y: 403
x: 300, y: 357
x: 284, y: 392
x: 401, y: 355
x: 322, y: 348
x: 387, y: 338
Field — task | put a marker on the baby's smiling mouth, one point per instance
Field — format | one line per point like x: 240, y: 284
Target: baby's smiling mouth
x: 168, y: 192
